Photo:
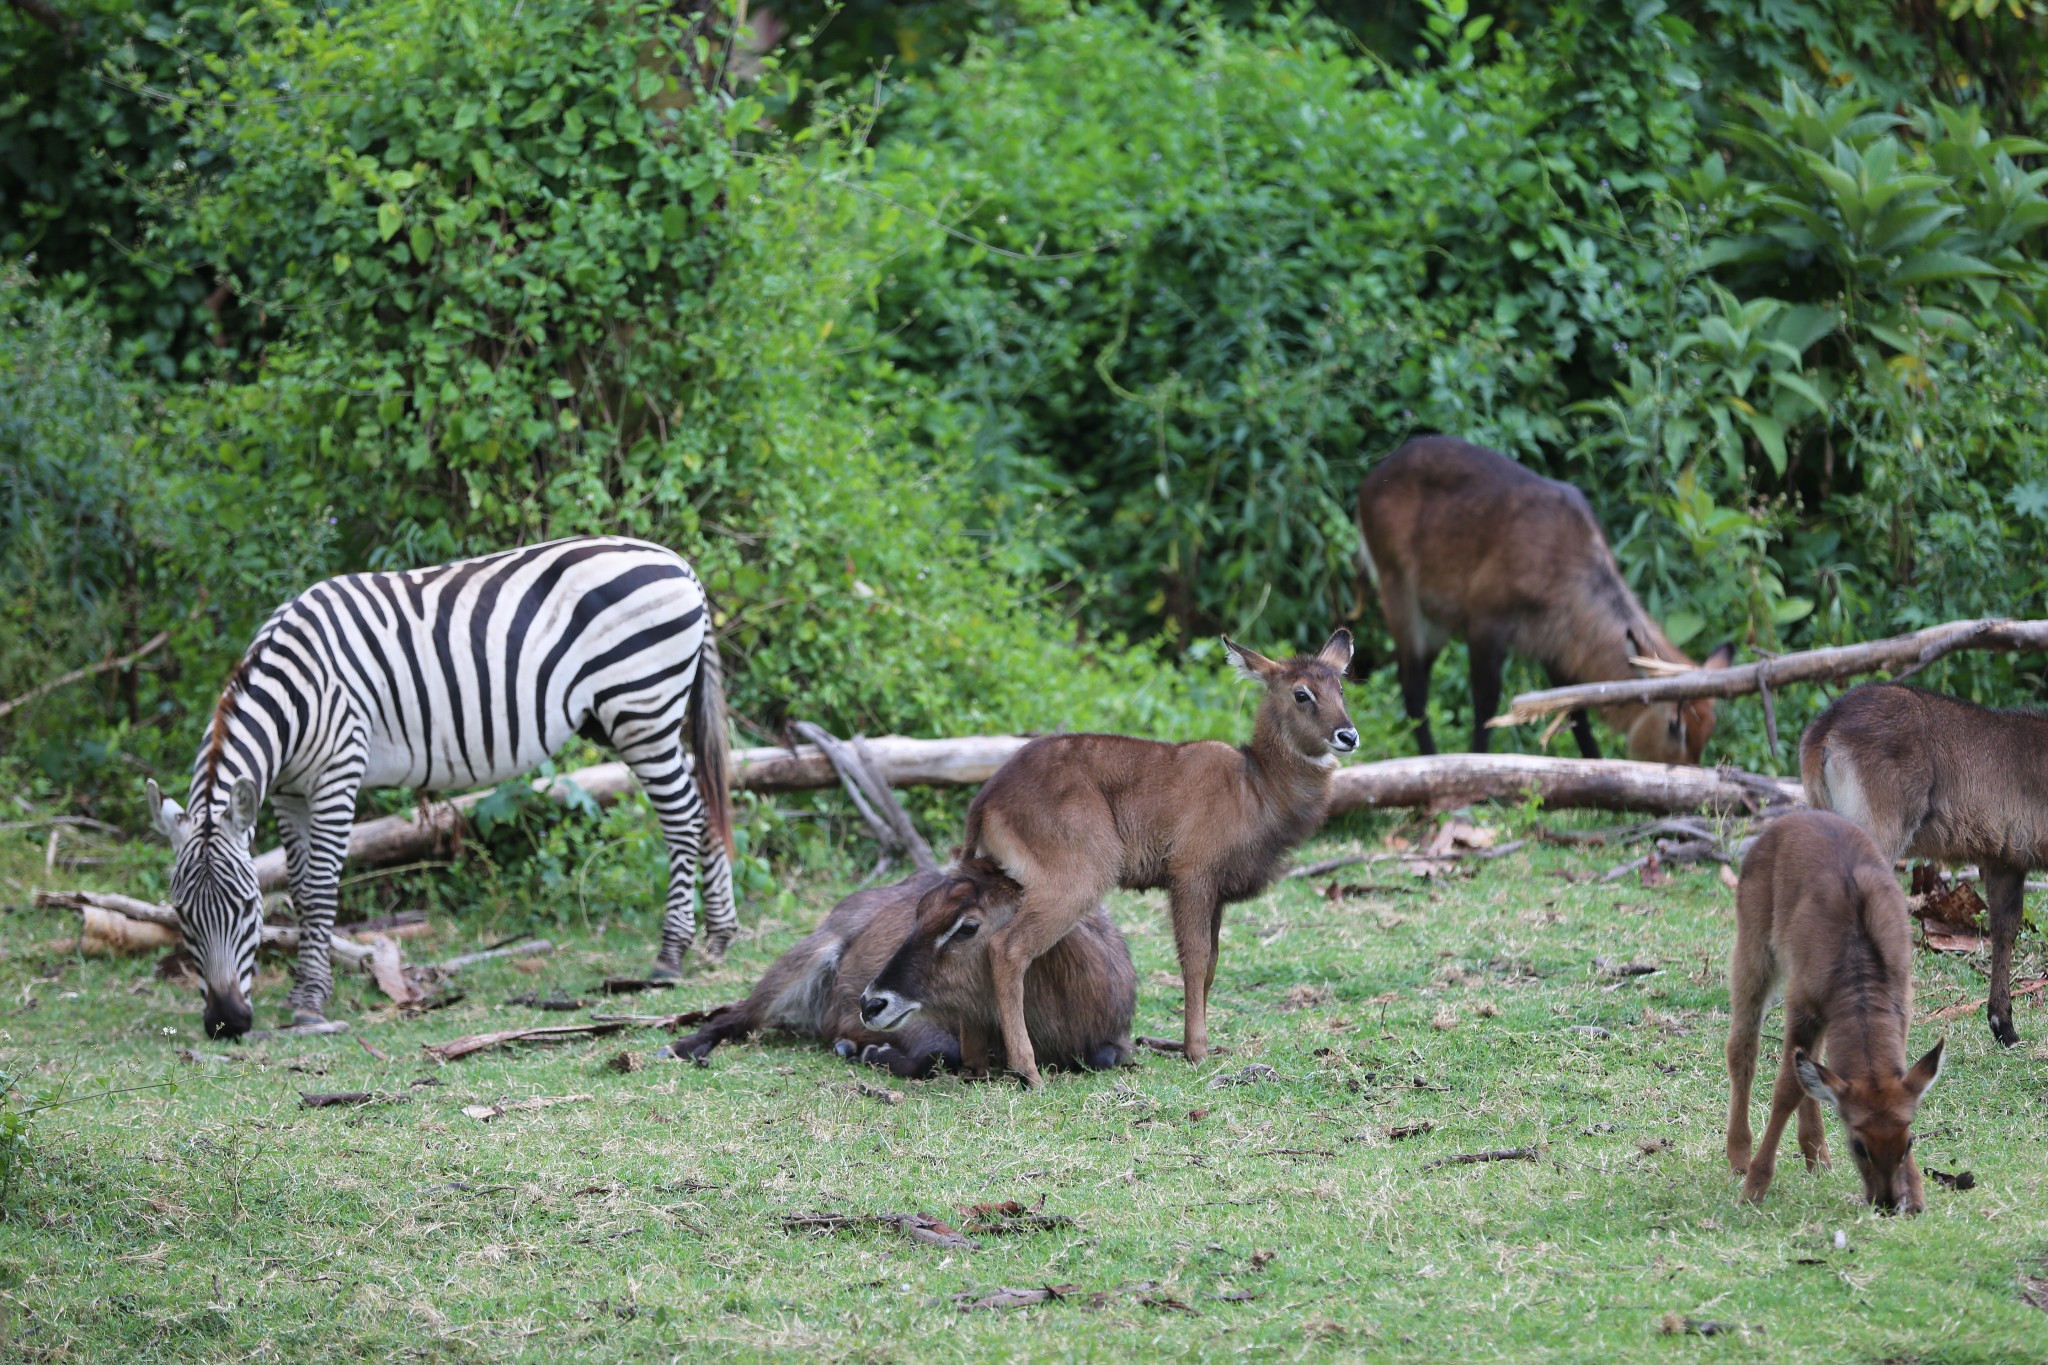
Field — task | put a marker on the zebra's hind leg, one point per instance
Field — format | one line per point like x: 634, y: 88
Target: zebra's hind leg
x: 721, y: 921
x: 671, y: 787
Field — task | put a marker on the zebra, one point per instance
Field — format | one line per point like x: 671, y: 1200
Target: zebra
x: 459, y: 675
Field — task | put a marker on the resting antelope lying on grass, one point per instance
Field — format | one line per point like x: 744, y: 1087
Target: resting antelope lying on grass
x: 1933, y: 777
x: 1071, y: 816
x: 1079, y: 997
x: 1818, y: 912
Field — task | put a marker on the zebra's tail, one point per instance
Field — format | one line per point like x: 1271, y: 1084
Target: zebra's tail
x: 708, y: 741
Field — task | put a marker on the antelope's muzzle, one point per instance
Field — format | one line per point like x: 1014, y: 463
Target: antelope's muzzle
x: 885, y: 1010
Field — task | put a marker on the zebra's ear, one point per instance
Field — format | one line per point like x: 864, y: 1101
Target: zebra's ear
x: 242, y: 804
x: 166, y: 815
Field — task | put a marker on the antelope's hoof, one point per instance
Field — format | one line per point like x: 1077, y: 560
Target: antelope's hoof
x: 2003, y: 1031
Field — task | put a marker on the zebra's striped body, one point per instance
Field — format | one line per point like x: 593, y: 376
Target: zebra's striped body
x: 454, y: 676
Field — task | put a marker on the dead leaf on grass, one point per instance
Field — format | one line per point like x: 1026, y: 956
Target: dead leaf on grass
x: 1250, y: 1075
x: 1444, y: 1020
x: 1304, y: 996
x: 1456, y: 834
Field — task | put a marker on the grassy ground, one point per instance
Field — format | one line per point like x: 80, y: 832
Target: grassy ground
x: 1278, y: 1219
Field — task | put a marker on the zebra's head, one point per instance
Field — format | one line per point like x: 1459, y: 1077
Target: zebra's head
x: 215, y: 892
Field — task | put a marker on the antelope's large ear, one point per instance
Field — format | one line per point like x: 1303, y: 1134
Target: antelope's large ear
x: 242, y: 804
x: 1337, y: 652
x: 166, y: 815
x: 1927, y: 1070
x: 1253, y: 665
x: 1817, y: 1080
x: 1723, y: 655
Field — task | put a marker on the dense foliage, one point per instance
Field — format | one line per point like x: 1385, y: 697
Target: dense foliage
x: 984, y: 392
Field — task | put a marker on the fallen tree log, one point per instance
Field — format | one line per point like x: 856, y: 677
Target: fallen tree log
x: 284, y: 937
x: 1902, y: 654
x: 1440, y: 781
x: 1582, y: 783
x: 904, y: 762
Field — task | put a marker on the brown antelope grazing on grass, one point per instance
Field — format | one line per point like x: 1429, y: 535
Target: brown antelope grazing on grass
x: 1071, y: 816
x: 1933, y: 777
x: 1465, y: 543
x: 1818, y: 912
x: 1079, y: 998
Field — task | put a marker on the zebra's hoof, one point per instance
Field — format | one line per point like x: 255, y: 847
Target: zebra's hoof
x: 715, y: 946
x: 663, y: 970
x: 301, y: 1018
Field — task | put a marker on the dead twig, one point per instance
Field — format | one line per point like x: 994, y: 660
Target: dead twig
x: 1475, y: 1158
x: 532, y: 947
x: 478, y: 1042
x: 917, y: 1227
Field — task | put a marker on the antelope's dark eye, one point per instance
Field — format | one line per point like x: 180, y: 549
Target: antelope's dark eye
x: 966, y: 928
x: 1856, y: 1146
x: 1303, y: 695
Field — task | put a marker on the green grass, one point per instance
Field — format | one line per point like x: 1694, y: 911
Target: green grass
x: 221, y: 1220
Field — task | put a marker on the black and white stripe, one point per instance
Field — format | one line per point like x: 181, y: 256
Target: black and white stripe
x: 455, y: 676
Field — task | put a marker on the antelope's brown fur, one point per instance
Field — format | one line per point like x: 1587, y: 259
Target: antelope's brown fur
x: 1071, y: 816
x: 1818, y: 912
x: 1465, y: 543
x: 1081, y: 997
x: 1930, y: 776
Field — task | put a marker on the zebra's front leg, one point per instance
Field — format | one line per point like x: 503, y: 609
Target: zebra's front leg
x: 323, y: 821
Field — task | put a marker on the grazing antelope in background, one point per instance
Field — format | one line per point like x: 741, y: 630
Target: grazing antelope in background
x: 1463, y: 542
x: 923, y: 935
x: 1071, y: 816
x: 1818, y: 912
x: 1933, y: 777
x: 454, y: 676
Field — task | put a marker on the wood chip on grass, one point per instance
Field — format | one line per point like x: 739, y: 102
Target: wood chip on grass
x: 486, y: 1112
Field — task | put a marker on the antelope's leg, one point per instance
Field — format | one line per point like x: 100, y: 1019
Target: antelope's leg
x: 1197, y: 920
x: 2004, y: 891
x: 1486, y: 659
x: 1785, y: 1098
x: 1041, y: 921
x: 1748, y: 994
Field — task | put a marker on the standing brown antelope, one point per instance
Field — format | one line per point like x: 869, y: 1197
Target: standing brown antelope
x: 1463, y: 542
x: 1933, y: 777
x: 1070, y: 816
x: 1080, y: 997
x: 1818, y: 912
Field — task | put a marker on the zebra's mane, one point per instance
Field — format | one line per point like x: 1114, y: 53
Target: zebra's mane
x: 224, y: 711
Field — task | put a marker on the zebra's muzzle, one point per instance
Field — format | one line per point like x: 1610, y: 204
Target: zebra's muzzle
x: 227, y: 1016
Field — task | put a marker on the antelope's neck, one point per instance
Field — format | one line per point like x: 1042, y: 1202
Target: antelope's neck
x: 1288, y: 782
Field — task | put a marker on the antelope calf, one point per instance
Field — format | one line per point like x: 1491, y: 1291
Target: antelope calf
x: 1071, y: 816
x: 1080, y: 997
x: 1463, y: 542
x: 1818, y: 913
x: 1933, y: 777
